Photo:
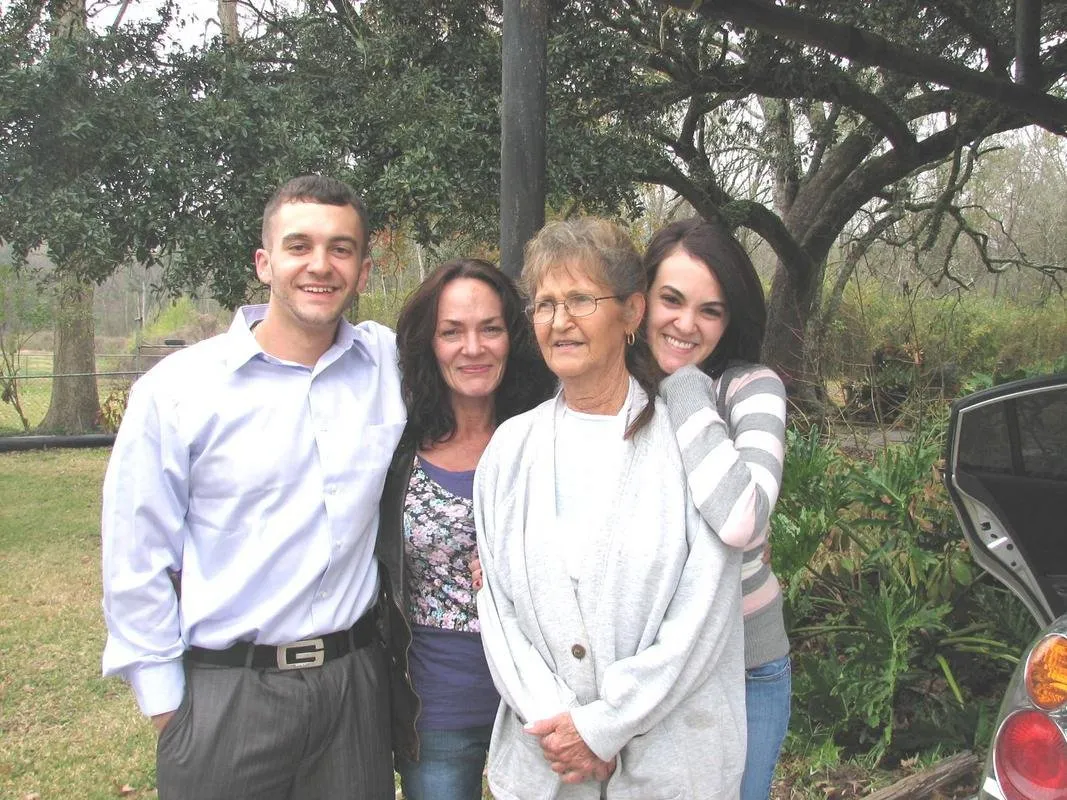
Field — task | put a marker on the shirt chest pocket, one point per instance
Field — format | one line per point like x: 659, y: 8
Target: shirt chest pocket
x: 360, y: 453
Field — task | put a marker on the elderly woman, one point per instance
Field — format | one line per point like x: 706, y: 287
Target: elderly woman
x: 610, y: 612
x: 468, y: 362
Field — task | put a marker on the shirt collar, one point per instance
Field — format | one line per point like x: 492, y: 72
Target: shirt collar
x: 242, y: 346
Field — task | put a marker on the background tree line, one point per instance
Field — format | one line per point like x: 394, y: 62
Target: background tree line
x: 118, y: 148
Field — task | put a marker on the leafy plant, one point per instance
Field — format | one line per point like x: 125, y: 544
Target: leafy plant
x: 987, y: 380
x: 113, y: 408
x: 813, y: 489
x: 895, y: 646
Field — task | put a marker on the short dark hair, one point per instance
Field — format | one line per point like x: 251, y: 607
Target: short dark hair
x: 714, y: 246
x: 315, y: 189
x: 526, y: 380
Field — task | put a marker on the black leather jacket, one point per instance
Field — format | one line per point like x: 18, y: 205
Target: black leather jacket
x: 393, y: 600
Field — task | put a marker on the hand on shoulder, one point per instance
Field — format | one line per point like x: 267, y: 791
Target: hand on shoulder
x: 686, y: 390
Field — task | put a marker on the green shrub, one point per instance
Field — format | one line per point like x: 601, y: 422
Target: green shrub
x: 813, y: 490
x: 380, y: 306
x: 957, y: 336
x: 985, y: 380
x: 114, y: 408
x: 901, y: 644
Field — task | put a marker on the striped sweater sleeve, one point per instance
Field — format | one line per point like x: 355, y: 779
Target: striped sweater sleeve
x: 733, y: 465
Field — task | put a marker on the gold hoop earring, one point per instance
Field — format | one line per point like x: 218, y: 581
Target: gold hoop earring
x: 630, y: 338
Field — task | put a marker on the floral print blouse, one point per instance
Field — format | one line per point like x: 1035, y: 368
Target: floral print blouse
x: 439, y: 544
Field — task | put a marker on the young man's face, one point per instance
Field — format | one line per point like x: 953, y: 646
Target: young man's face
x: 314, y: 264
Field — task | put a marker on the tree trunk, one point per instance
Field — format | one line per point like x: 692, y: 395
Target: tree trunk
x: 522, y: 128
x: 71, y: 17
x: 228, y: 20
x: 75, y: 403
x: 789, y: 309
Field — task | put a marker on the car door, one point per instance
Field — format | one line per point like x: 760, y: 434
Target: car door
x: 1006, y: 471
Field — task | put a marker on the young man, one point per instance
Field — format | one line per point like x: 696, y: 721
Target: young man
x: 248, y: 471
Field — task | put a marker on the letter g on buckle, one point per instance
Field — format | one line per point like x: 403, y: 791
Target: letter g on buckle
x: 301, y: 655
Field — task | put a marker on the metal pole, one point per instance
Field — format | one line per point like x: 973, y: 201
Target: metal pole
x: 522, y: 129
x: 1028, y: 42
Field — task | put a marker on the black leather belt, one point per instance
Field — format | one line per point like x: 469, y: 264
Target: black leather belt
x: 296, y: 655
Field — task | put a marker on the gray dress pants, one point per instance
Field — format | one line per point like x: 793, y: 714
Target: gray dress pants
x: 310, y: 734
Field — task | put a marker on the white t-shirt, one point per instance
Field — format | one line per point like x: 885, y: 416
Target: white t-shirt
x: 590, y: 451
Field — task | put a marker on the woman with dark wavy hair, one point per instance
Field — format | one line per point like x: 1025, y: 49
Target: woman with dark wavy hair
x: 469, y: 362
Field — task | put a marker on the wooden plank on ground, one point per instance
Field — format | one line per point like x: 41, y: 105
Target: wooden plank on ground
x: 922, y: 784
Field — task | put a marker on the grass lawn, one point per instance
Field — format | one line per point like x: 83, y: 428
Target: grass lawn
x: 65, y: 731
x: 34, y: 396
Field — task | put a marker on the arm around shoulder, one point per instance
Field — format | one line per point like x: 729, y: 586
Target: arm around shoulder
x: 733, y: 454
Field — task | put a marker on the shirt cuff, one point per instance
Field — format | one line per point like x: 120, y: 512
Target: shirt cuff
x: 687, y: 391
x: 597, y: 724
x: 158, y: 687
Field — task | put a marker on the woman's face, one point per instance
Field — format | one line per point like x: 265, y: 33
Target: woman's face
x: 687, y: 314
x: 586, y: 349
x: 471, y: 340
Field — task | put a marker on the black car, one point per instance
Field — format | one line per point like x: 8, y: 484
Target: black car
x: 1006, y: 473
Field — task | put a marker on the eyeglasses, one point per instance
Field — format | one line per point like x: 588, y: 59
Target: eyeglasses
x: 577, y: 305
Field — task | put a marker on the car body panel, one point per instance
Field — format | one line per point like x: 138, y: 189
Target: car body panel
x: 1006, y: 474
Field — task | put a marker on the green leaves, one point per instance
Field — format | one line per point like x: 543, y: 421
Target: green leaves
x: 81, y: 119
x: 898, y: 637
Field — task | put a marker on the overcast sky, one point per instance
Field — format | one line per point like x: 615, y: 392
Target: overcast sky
x: 196, y: 21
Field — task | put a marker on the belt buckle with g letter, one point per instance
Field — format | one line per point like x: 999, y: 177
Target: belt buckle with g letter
x: 304, y: 654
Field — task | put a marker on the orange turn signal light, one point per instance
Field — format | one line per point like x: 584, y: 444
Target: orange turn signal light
x: 1046, y: 673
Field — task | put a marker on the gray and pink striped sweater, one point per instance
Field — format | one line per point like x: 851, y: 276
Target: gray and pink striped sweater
x: 731, y: 431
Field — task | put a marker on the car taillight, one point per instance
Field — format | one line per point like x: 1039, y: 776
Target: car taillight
x: 1046, y: 673
x: 1030, y: 758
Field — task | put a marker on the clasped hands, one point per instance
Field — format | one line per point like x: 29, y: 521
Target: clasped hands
x: 566, y: 752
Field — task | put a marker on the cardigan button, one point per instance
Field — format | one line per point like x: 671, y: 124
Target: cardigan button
x: 578, y: 651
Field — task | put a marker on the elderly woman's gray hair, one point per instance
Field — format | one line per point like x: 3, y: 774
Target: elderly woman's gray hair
x: 600, y: 248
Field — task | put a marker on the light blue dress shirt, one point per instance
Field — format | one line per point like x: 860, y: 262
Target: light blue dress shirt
x: 259, y: 480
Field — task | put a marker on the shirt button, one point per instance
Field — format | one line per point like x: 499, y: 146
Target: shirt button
x: 578, y: 651
x: 323, y: 595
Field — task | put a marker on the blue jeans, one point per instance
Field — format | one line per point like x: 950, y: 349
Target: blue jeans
x: 450, y: 765
x: 767, y: 693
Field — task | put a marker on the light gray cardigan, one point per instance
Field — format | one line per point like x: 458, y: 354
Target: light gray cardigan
x: 646, y: 652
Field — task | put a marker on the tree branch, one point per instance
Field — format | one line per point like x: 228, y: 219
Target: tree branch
x: 823, y: 134
x: 960, y: 12
x: 831, y: 87
x: 870, y: 49
x: 855, y: 251
x: 118, y: 17
x: 348, y: 17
